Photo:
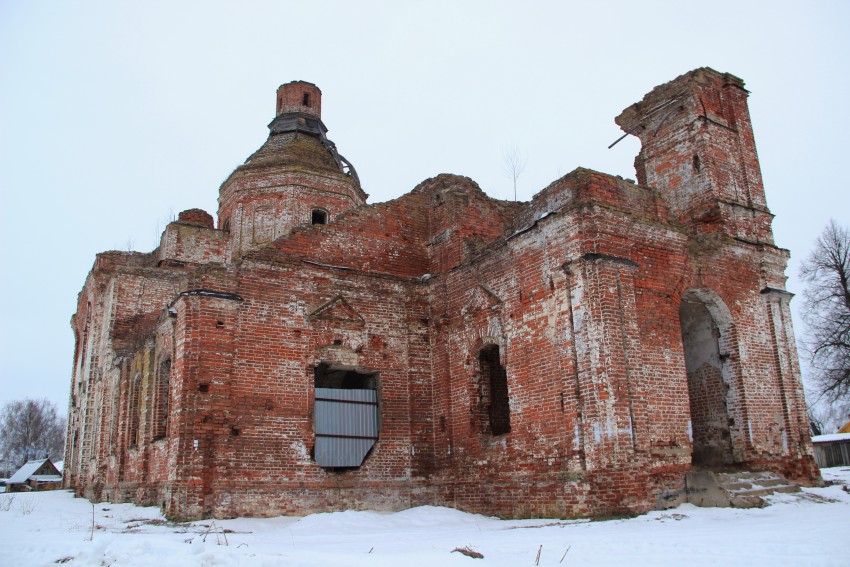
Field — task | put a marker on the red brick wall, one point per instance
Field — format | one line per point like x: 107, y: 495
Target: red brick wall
x: 189, y: 243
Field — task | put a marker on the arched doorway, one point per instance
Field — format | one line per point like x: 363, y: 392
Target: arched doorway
x: 708, y: 382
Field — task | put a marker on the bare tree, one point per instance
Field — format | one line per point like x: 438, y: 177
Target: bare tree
x: 514, y: 165
x: 30, y: 429
x: 826, y: 311
x: 826, y: 417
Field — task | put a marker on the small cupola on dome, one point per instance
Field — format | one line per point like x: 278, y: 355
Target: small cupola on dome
x: 299, y: 111
x: 301, y: 97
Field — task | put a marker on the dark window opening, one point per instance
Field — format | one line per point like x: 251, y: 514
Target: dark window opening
x: 345, y: 379
x: 319, y: 217
x: 495, y: 379
x: 306, y: 101
x: 134, y: 409
x: 162, y: 391
x: 346, y: 416
x: 697, y: 165
x: 203, y: 388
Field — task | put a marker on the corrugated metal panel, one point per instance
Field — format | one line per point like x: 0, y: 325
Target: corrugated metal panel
x: 346, y: 426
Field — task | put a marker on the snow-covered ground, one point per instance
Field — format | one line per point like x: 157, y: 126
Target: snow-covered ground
x: 50, y: 528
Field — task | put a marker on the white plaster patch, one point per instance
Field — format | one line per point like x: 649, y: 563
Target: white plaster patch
x: 299, y: 449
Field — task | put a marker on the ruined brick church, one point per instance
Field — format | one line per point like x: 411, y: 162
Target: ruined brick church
x: 575, y: 355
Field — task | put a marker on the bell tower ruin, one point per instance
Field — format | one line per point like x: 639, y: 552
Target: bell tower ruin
x: 697, y: 147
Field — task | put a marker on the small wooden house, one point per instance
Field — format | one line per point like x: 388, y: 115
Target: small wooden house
x: 832, y: 450
x: 39, y: 474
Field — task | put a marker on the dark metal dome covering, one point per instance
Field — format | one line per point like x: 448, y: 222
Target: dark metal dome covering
x: 297, y: 122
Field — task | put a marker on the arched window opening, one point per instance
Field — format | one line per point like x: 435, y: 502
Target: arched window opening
x: 707, y: 388
x: 319, y: 217
x: 346, y: 416
x: 85, y: 340
x: 160, y: 424
x: 135, y: 414
x: 494, y: 383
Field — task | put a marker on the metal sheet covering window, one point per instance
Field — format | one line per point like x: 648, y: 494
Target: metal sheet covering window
x: 346, y: 426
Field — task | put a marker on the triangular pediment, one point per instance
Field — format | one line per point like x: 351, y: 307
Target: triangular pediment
x: 337, y: 309
x: 482, y: 299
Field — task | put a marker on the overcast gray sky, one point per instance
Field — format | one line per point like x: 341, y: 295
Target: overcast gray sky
x: 115, y: 115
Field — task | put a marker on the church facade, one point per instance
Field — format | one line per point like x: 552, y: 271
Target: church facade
x: 575, y: 355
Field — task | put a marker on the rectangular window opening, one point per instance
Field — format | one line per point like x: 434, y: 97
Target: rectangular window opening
x: 495, y: 386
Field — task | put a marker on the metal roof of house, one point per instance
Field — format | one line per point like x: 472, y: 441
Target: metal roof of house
x: 831, y: 437
x: 26, y: 471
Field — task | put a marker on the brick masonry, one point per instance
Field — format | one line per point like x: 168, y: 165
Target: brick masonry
x: 575, y: 355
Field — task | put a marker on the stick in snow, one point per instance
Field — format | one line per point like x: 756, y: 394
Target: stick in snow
x: 91, y: 536
x: 469, y: 552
